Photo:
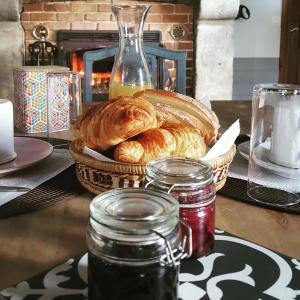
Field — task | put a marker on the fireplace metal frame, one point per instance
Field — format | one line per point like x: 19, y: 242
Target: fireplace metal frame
x: 72, y: 40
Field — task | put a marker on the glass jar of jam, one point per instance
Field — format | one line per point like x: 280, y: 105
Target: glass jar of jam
x: 191, y: 183
x: 134, y: 245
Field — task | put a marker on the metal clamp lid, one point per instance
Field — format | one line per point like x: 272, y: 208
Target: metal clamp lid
x: 174, y: 256
x: 175, y: 185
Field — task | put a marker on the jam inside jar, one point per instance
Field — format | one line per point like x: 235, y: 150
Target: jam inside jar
x: 114, y: 281
x: 127, y: 237
x: 191, y: 183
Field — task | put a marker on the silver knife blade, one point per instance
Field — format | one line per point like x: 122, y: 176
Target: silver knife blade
x: 4, y: 188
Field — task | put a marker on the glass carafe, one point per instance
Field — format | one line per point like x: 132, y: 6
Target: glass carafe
x: 130, y: 72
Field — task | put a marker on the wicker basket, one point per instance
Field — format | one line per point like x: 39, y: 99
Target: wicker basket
x: 99, y: 176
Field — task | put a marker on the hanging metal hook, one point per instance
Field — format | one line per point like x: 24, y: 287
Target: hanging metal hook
x: 243, y: 13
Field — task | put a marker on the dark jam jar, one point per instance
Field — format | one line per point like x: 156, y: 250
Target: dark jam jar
x: 191, y: 183
x: 130, y: 236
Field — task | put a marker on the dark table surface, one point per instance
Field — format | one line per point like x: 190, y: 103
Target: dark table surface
x: 230, y: 111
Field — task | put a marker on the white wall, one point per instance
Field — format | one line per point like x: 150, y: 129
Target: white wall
x: 258, y: 36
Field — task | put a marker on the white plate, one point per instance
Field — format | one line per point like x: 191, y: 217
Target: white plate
x: 29, y: 152
x: 261, y: 158
x: 243, y: 149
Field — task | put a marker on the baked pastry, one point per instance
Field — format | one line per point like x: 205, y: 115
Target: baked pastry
x: 106, y: 125
x: 173, y: 139
x: 150, y: 125
x: 189, y: 143
x: 151, y: 144
x: 186, y: 108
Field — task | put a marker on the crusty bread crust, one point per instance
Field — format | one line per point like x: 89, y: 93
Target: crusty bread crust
x: 187, y: 108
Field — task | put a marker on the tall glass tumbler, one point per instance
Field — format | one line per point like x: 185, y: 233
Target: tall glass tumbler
x: 63, y: 102
x: 274, y: 166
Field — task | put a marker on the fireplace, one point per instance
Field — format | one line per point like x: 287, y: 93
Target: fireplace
x: 71, y: 45
x: 101, y: 73
x: 209, y: 66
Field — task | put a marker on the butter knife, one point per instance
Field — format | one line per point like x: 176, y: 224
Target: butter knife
x: 4, y: 188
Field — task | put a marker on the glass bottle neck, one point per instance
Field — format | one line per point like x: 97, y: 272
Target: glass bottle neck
x: 131, y: 42
x: 130, y: 19
x: 126, y: 31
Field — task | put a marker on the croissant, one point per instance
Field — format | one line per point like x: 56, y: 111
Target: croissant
x: 189, y: 143
x: 172, y: 139
x: 106, y: 125
x: 152, y: 144
x: 186, y: 108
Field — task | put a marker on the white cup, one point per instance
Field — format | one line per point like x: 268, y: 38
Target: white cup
x: 285, y: 136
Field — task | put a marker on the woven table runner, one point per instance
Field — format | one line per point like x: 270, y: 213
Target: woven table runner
x: 60, y: 187
x: 237, y: 189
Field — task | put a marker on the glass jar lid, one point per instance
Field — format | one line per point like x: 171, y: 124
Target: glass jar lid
x: 179, y: 172
x: 135, y: 211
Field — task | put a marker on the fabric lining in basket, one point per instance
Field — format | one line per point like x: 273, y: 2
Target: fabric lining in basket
x: 99, y: 176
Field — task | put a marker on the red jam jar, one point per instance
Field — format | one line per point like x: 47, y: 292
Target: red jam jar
x: 191, y: 183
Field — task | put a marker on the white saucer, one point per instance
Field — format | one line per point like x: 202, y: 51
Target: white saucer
x: 7, y: 158
x: 29, y: 151
x: 261, y: 158
x: 244, y: 149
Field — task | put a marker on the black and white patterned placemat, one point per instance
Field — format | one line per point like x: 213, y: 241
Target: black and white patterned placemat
x: 236, y: 269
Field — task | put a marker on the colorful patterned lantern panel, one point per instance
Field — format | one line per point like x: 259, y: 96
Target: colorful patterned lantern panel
x: 30, y: 86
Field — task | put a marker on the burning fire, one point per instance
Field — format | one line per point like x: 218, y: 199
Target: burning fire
x: 97, y: 78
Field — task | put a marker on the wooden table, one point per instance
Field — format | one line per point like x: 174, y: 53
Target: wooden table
x: 39, y: 240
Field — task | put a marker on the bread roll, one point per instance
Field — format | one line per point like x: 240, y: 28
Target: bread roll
x: 186, y: 108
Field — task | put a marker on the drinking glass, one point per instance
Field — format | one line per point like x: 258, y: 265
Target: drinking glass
x: 274, y: 165
x: 63, y: 102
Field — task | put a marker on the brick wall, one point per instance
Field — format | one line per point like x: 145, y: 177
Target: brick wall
x: 97, y: 15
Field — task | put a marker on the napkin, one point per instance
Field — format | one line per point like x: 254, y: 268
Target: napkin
x: 225, y: 142
x: 96, y: 155
x: 35, y: 175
